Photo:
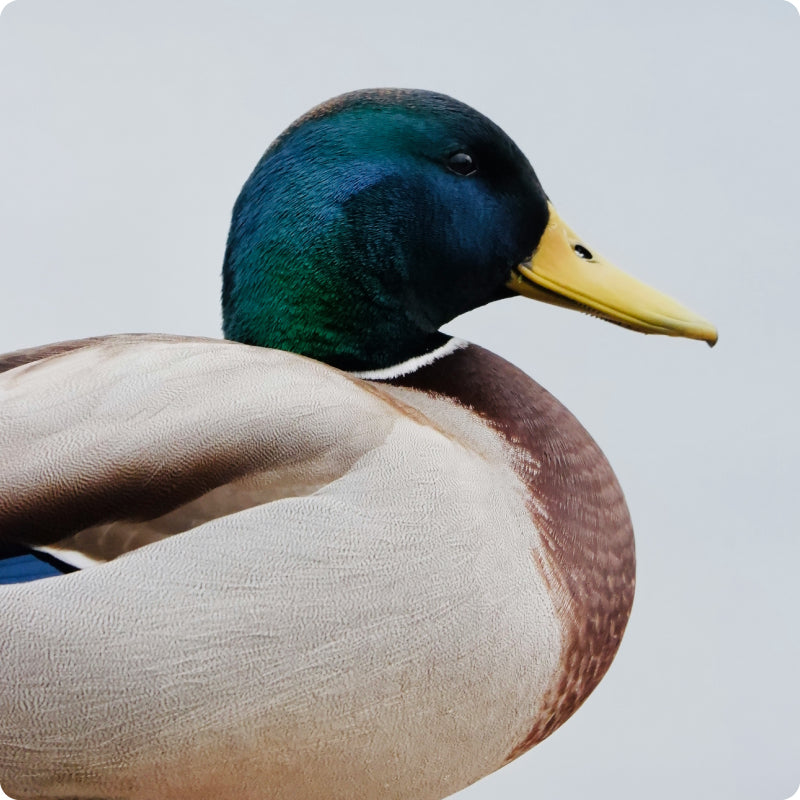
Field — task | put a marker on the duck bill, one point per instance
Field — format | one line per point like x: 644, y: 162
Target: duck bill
x: 565, y: 272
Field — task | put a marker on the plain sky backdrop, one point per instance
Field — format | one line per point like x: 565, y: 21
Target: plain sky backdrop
x: 666, y: 134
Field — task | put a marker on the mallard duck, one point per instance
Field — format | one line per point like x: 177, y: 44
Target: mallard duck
x: 340, y: 554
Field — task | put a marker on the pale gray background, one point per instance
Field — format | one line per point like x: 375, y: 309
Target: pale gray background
x: 665, y: 134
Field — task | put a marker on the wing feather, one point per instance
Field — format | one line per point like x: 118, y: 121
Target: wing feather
x: 113, y: 443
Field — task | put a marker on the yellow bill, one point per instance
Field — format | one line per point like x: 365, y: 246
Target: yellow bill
x: 565, y: 272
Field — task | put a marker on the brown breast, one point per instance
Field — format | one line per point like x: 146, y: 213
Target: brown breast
x: 575, y: 502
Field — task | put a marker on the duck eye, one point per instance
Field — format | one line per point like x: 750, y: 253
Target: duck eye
x: 583, y: 252
x: 462, y: 164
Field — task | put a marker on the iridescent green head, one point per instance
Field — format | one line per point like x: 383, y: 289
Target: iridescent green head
x: 371, y: 222
x: 379, y: 216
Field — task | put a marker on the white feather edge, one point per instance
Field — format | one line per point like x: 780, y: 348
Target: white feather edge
x: 413, y: 364
x: 71, y: 557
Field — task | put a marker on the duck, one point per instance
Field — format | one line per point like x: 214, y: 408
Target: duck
x: 338, y: 553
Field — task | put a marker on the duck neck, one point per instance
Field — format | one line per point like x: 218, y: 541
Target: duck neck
x: 351, y: 329
x: 323, y: 288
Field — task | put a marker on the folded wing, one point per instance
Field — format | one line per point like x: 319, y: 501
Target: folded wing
x: 110, y: 444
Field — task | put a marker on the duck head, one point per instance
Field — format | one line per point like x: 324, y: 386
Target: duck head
x: 382, y: 214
